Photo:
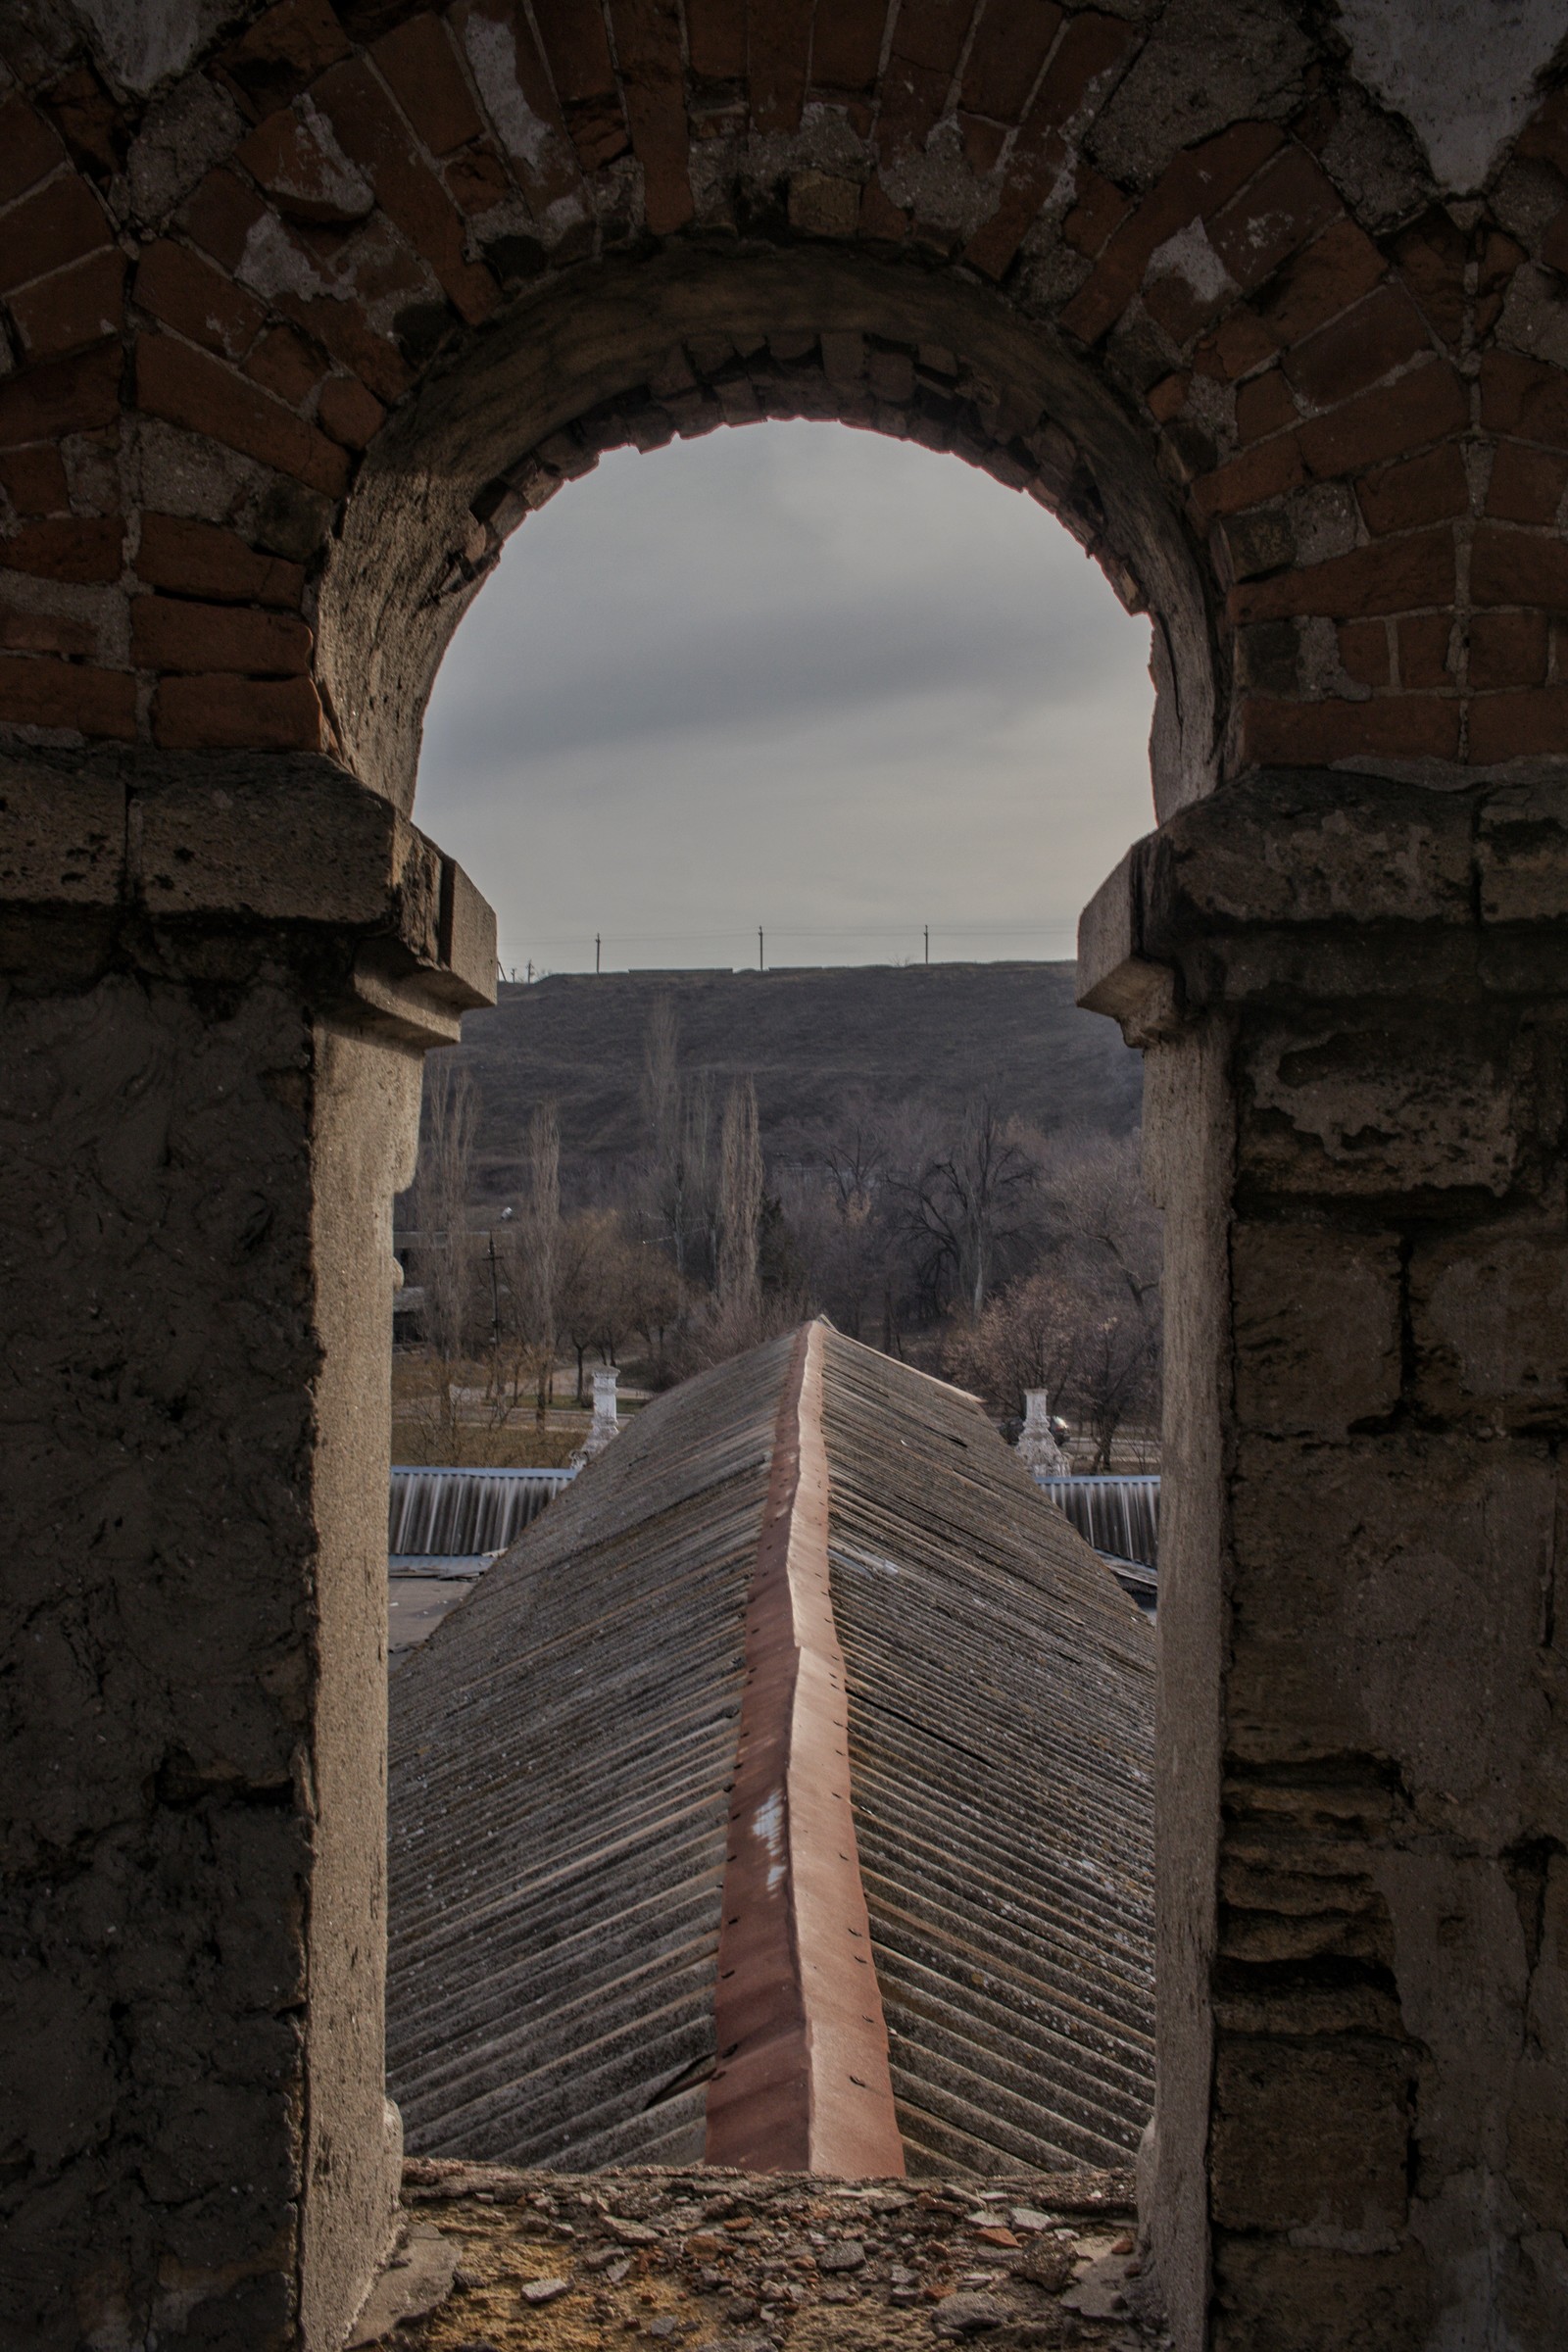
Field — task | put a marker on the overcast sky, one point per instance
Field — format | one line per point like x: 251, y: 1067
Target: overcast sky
x: 795, y: 676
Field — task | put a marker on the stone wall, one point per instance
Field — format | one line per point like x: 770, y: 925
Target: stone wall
x: 1353, y: 1004
x: 303, y: 307
x: 216, y: 984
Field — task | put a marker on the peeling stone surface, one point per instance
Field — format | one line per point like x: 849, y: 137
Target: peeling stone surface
x: 1464, y: 77
x: 1208, y: 64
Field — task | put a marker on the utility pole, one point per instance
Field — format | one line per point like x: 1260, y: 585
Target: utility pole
x: 760, y: 947
x: 596, y: 950
x: 530, y: 971
x: 928, y: 943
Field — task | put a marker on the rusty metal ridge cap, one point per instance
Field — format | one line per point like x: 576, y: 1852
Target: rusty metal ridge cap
x: 801, y: 2081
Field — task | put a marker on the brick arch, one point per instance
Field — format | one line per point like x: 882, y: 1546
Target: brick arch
x: 640, y: 353
x: 225, y: 262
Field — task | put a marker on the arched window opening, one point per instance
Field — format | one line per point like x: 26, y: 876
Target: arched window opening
x: 787, y: 759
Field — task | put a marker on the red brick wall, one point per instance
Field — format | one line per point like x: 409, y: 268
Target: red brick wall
x: 213, y: 303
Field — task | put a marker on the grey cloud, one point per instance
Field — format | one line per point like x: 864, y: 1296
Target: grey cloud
x: 797, y: 666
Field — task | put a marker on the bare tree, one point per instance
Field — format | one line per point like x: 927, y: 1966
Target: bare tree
x: 1085, y: 1324
x: 700, y: 1172
x: 855, y: 1165
x: 601, y: 1284
x: 1106, y: 1233
x: 1031, y: 1336
x: 541, y: 1247
x: 580, y: 1274
x: 443, y: 1176
x: 963, y: 1202
x: 665, y: 1125
x: 1095, y: 1202
x: 655, y: 1304
x: 1117, y: 1378
x: 740, y: 1209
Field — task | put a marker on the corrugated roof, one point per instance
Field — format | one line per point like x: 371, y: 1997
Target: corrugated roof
x: 561, y: 1747
x: 1001, y: 1721
x: 564, y: 1748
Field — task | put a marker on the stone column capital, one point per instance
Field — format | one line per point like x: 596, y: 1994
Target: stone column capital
x: 1306, y: 883
x: 159, y: 855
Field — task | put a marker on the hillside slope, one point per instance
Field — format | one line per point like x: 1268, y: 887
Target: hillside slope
x: 813, y: 1040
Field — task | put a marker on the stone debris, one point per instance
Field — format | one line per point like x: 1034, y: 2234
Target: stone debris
x: 707, y: 2261
x: 967, y: 2315
x: 545, y: 2290
x: 1048, y: 2261
x: 418, y: 2279
x: 1101, y: 2293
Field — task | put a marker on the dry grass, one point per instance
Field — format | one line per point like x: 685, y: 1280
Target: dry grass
x: 442, y: 1416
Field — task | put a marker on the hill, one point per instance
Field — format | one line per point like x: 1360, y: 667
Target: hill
x: 895, y: 1036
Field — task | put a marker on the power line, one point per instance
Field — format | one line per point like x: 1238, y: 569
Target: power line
x: 816, y: 931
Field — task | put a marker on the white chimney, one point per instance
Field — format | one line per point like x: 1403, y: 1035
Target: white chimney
x: 1038, y: 1447
x: 605, y: 1424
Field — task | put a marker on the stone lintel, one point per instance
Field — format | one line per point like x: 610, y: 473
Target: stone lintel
x: 244, y: 843
x: 1304, y: 880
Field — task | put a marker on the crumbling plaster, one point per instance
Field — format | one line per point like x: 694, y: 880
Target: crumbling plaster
x: 1464, y: 77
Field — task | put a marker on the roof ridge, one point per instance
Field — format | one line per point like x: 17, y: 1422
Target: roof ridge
x: 802, y: 2080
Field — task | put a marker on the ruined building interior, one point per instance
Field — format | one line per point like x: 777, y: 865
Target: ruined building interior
x: 305, y: 308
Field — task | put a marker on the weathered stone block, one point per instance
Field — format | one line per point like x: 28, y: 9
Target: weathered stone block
x: 1317, y: 1326
x: 1351, y: 1106
x: 1522, y: 854
x: 61, y: 836
x: 301, y: 844
x: 1387, y: 1599
x: 1352, y: 2180
x: 1308, y: 2298
x: 466, y: 946
x: 1489, y: 1318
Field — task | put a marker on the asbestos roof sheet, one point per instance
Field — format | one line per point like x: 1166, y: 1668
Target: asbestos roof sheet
x: 565, y: 1748
x: 1001, y: 1752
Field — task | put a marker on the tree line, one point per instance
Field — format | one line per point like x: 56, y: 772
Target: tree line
x: 971, y: 1245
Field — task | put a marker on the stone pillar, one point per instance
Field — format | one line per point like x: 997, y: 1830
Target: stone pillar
x: 1353, y: 1001
x: 220, y: 976
x: 605, y: 1427
x: 1037, y: 1445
